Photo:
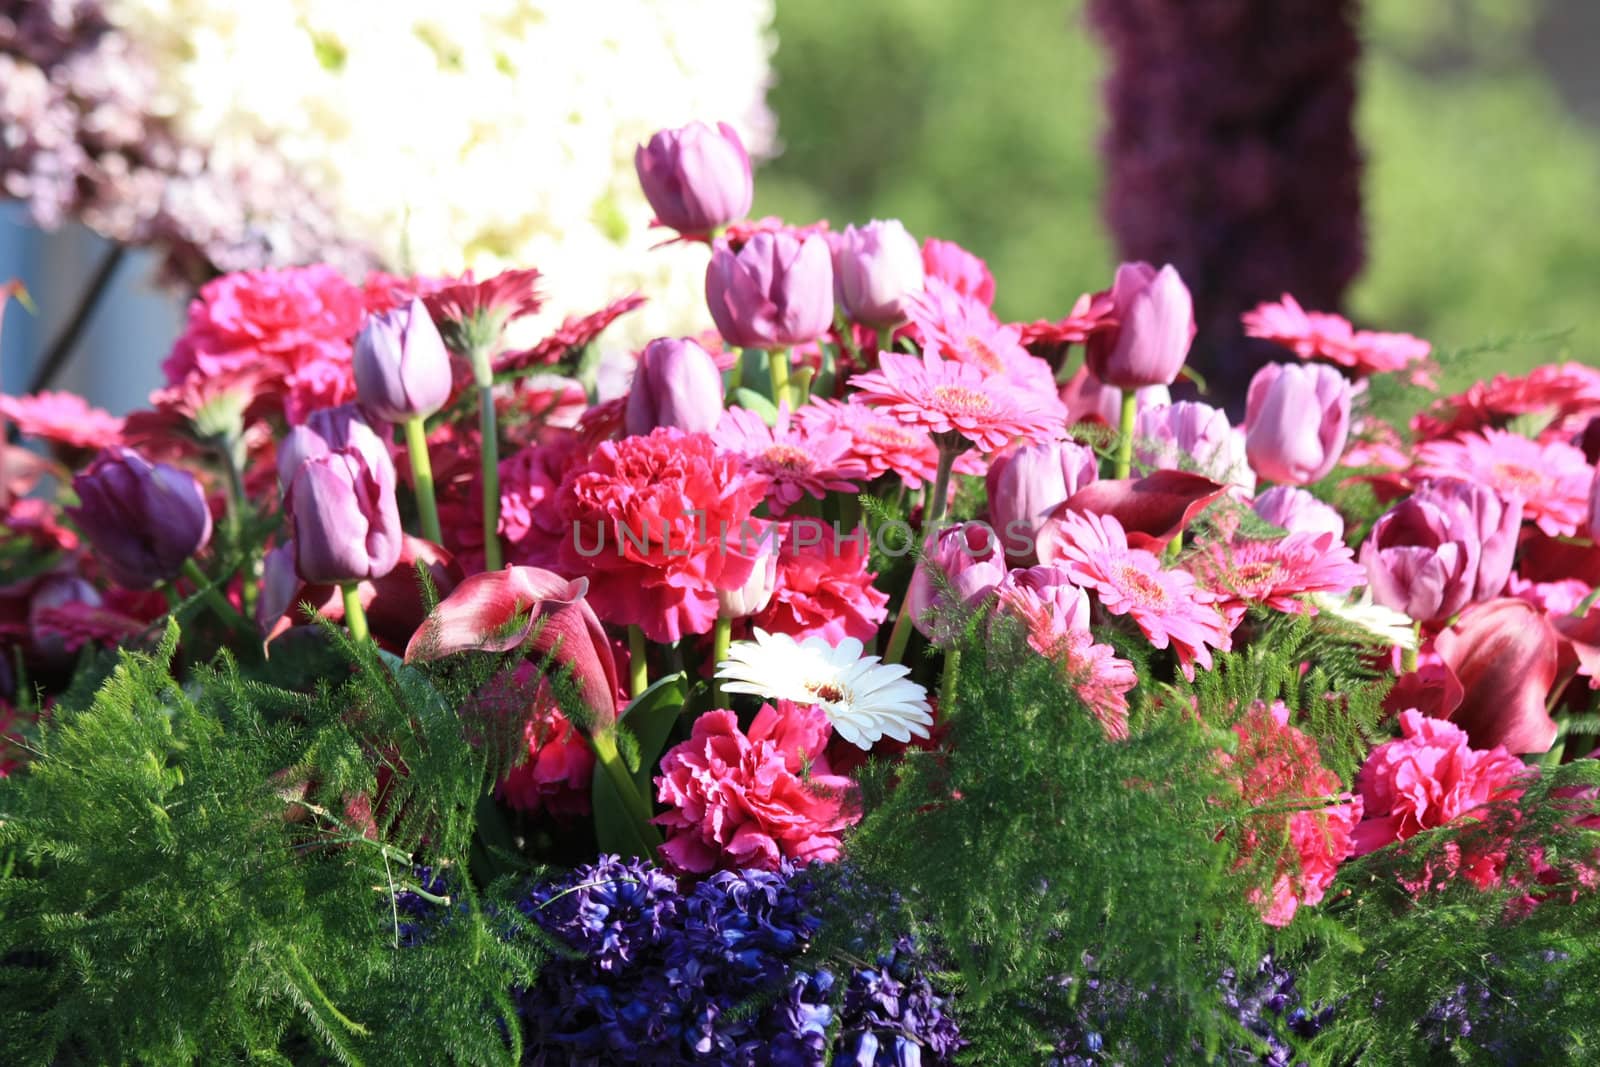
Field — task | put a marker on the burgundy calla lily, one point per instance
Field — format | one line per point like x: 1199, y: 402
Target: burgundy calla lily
x: 1153, y: 509
x: 501, y: 610
x: 1504, y: 652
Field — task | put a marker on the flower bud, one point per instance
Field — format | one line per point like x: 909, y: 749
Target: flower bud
x: 1026, y: 483
x: 1447, y: 545
x: 345, y: 519
x: 1195, y: 437
x: 775, y: 292
x: 1296, y: 420
x: 402, y: 367
x: 677, y: 384
x: 875, y: 268
x: 697, y: 179
x: 1154, y: 318
x: 145, y: 520
x: 329, y: 430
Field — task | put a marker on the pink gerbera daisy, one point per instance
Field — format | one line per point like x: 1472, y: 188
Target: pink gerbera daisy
x: 1168, y: 605
x: 797, y: 462
x: 881, y: 444
x: 65, y: 418
x: 1091, y: 312
x: 961, y: 328
x: 957, y: 403
x: 1318, y: 334
x: 1276, y: 573
x: 1552, y: 478
x: 1568, y: 392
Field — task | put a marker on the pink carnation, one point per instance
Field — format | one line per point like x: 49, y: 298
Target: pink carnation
x: 1431, y: 777
x: 660, y: 524
x: 1551, y: 479
x: 753, y: 800
x: 881, y: 444
x: 823, y: 587
x: 529, y: 479
x: 65, y: 418
x: 957, y: 403
x: 798, y: 462
x: 1318, y: 334
x: 1279, y: 772
x: 1168, y: 605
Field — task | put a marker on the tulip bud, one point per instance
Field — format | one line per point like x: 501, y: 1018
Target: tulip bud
x: 775, y: 292
x: 1026, y: 483
x: 677, y: 384
x: 697, y: 179
x: 1193, y: 436
x: 345, y: 519
x: 1297, y: 416
x: 329, y: 430
x: 402, y: 367
x: 756, y: 593
x: 1447, y: 545
x: 875, y: 269
x: 1154, y: 318
x: 1297, y: 511
x: 145, y: 520
x: 968, y: 559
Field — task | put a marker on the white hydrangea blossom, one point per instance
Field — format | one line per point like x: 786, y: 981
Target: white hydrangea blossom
x: 477, y: 133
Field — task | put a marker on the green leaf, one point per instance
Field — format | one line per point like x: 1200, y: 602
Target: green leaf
x: 751, y: 400
x: 648, y: 721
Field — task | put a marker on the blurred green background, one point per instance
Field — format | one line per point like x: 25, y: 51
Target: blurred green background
x: 980, y: 123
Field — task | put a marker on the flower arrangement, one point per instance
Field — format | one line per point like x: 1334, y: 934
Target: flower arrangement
x: 869, y: 682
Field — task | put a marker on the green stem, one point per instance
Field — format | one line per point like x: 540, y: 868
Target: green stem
x: 721, y: 638
x: 604, y: 743
x: 899, y: 637
x: 1130, y: 416
x: 802, y: 385
x: 778, y: 365
x: 422, y: 477
x: 489, y: 449
x: 885, y: 339
x: 947, y: 684
x: 735, y: 377
x: 355, y: 617
x: 214, y: 598
x: 233, y: 460
x: 941, y: 491
x: 638, y: 664
x: 174, y: 600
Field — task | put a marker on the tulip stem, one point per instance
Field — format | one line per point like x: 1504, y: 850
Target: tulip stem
x: 355, y: 617
x: 900, y: 636
x: 489, y: 449
x: 422, y: 478
x: 947, y: 683
x: 1130, y: 417
x: 721, y: 638
x: 778, y: 365
x: 604, y: 743
x: 213, y: 597
x: 735, y: 376
x: 885, y: 339
x: 638, y: 664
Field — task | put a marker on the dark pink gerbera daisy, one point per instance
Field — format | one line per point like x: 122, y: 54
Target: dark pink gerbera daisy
x: 881, y: 444
x: 1168, y: 605
x: 1551, y: 478
x: 1318, y: 334
x: 957, y: 403
x: 65, y: 418
x: 961, y: 328
x: 797, y: 462
x: 1276, y: 573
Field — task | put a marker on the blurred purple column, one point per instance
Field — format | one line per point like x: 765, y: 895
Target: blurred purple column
x: 1231, y: 153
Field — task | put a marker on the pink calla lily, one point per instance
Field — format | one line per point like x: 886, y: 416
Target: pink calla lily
x: 1504, y: 652
x: 549, y: 612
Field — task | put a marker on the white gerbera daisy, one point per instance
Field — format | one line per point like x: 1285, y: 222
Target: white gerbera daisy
x: 864, y: 699
x: 1392, y: 627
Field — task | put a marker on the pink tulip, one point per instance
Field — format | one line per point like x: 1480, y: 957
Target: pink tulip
x: 1195, y: 437
x: 549, y: 613
x: 963, y: 562
x: 1504, y: 653
x: 1296, y: 420
x: 1446, y: 546
x: 775, y: 292
x: 677, y: 384
x: 697, y: 179
x: 1154, y: 326
x: 1297, y: 511
x: 1026, y: 483
x: 875, y: 269
x: 345, y: 518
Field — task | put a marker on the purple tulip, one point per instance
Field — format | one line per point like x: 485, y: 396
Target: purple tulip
x: 775, y: 292
x: 329, y: 430
x: 1447, y: 545
x: 697, y: 179
x: 1154, y: 328
x: 145, y: 520
x: 970, y: 566
x: 1196, y: 437
x: 875, y: 269
x: 402, y: 367
x: 1026, y: 483
x: 1296, y: 419
x: 677, y: 384
x: 345, y: 519
x: 1297, y: 511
